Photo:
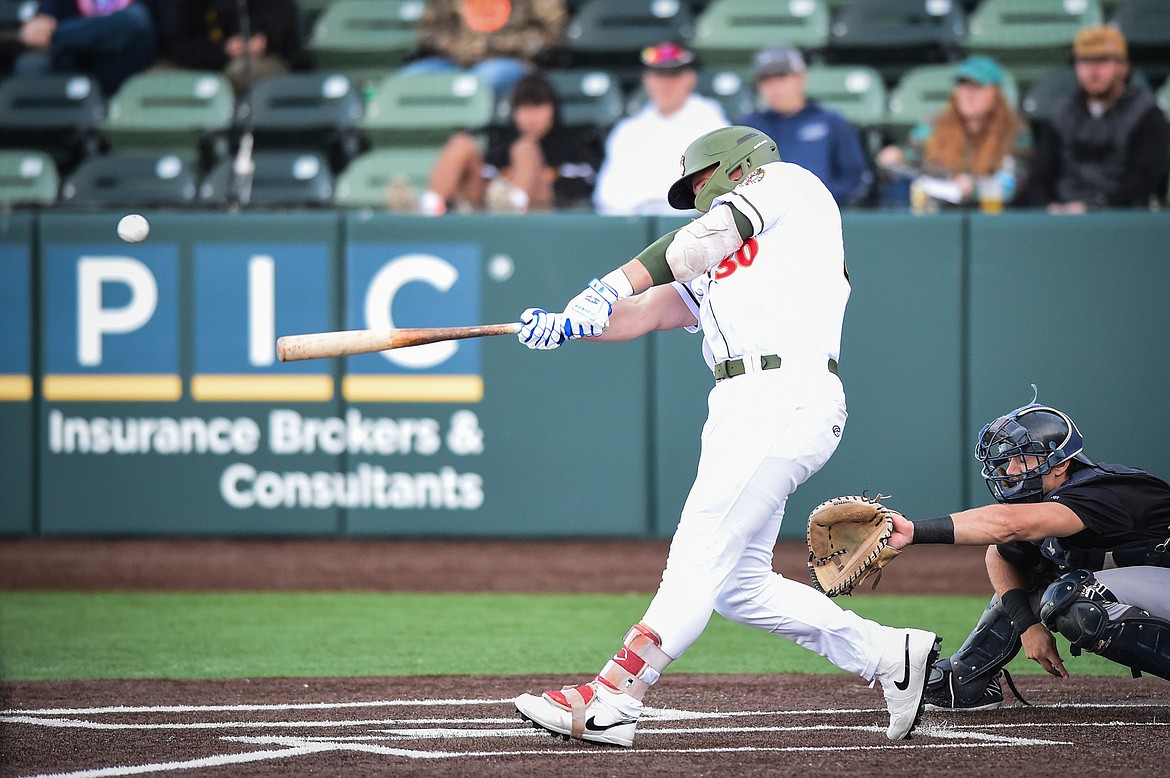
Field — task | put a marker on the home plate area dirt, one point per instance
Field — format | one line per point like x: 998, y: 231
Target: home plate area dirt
x: 466, y: 726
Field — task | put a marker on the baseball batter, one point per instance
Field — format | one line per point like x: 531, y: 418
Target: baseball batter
x: 762, y: 275
x: 1079, y: 547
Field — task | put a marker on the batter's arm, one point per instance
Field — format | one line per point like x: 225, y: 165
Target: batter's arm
x: 660, y: 308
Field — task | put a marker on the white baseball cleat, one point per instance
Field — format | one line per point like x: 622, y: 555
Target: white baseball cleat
x: 582, y: 712
x: 903, y: 672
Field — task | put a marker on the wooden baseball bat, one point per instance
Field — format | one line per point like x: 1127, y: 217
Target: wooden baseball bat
x: 317, y: 345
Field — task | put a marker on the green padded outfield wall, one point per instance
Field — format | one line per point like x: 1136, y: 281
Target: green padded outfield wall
x: 165, y: 410
x: 16, y: 375
x: 1081, y: 308
x: 556, y: 445
x: 900, y: 365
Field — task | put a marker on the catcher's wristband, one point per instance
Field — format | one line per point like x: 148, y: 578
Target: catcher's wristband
x: 1019, y: 609
x: 941, y: 530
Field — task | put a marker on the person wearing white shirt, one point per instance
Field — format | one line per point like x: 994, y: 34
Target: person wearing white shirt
x: 642, y: 151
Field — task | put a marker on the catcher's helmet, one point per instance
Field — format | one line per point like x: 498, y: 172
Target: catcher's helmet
x: 1045, y: 435
x: 730, y: 148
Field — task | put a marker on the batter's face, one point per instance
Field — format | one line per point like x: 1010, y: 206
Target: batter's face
x: 700, y: 179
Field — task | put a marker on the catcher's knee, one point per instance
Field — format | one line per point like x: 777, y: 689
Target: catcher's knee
x: 1088, y: 615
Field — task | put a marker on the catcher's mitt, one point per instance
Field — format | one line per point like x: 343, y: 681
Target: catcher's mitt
x: 848, y: 542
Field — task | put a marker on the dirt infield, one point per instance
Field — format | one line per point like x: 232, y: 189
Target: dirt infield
x: 431, y: 726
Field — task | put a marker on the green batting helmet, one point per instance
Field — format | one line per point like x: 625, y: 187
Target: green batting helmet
x: 731, y: 149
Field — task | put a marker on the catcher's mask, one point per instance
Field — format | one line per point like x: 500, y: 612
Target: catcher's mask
x: 1044, y: 436
x: 728, y: 149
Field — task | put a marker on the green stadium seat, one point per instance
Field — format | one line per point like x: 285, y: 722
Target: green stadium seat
x: 282, y: 179
x: 1029, y: 36
x: 187, y: 112
x: 730, y: 32
x: 27, y: 178
x: 426, y: 108
x: 855, y: 91
x: 58, y: 114
x: 363, y: 184
x: 131, y: 179
x: 612, y: 33
x: 734, y: 90
x: 1163, y: 98
x: 589, y: 98
x: 894, y: 35
x: 364, y: 33
x: 315, y: 111
x: 14, y: 13
x: 1146, y: 26
x: 922, y: 92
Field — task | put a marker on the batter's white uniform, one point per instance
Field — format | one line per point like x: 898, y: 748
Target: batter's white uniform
x: 783, y: 293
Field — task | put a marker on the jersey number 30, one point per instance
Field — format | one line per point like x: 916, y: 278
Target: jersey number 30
x: 744, y: 256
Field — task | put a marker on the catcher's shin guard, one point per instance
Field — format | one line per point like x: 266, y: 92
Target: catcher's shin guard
x: 961, y: 680
x: 1087, y: 614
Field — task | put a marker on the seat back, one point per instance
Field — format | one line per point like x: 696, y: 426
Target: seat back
x: 364, y: 183
x: 894, y: 35
x: 364, y: 33
x: 1146, y: 26
x: 732, y: 89
x: 282, y: 179
x: 174, y: 110
x: 923, y: 92
x: 612, y: 33
x: 131, y: 179
x: 857, y: 92
x: 27, y: 178
x: 58, y: 114
x: 317, y: 111
x: 730, y: 32
x: 589, y: 98
x: 1029, y: 36
x: 426, y: 108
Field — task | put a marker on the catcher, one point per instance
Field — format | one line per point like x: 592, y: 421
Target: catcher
x: 1077, y: 547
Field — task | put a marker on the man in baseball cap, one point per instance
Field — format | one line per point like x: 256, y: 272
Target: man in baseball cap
x: 818, y: 139
x: 1108, y: 145
x: 642, y: 150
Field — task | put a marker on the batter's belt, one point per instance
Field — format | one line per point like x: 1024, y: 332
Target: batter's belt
x: 736, y: 367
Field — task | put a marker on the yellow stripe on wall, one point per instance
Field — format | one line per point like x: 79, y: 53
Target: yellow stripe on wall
x: 16, y: 388
x: 253, y: 388
x: 412, y: 388
x: 72, y: 388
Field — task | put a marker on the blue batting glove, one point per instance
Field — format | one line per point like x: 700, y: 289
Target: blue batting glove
x: 587, y: 314
x: 541, y: 330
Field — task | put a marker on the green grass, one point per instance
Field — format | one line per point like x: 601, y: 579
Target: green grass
x: 82, y: 636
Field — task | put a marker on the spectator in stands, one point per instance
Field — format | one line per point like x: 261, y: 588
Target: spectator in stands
x: 642, y: 151
x: 207, y: 35
x: 1108, y: 145
x: 498, y: 40
x: 533, y: 164
x: 109, y: 40
x: 974, y: 152
x: 819, y: 140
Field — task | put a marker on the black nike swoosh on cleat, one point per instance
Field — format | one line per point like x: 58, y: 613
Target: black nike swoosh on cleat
x: 902, y: 684
x: 592, y: 727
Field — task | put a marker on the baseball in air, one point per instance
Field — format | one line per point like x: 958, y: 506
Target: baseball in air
x: 133, y: 228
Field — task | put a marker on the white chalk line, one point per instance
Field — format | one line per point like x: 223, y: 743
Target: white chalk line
x: 967, y: 737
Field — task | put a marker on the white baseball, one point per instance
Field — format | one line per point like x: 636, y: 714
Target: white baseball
x: 133, y: 228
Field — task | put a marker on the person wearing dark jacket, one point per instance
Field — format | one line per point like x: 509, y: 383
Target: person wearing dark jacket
x: 206, y: 35
x: 1107, y: 146
x: 109, y: 40
x: 821, y: 141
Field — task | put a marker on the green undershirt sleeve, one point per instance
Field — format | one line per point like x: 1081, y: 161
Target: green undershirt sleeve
x: 653, y: 257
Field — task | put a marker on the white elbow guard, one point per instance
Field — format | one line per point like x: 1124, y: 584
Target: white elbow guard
x: 703, y: 244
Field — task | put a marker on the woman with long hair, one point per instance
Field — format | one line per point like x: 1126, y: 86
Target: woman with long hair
x: 978, y: 142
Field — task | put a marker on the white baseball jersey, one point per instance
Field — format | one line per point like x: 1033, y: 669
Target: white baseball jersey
x: 784, y: 291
